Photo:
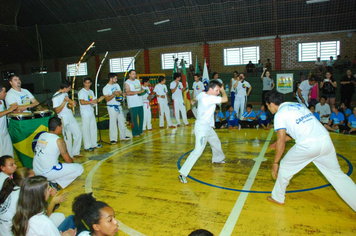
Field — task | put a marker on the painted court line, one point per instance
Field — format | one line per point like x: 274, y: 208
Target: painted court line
x: 236, y: 211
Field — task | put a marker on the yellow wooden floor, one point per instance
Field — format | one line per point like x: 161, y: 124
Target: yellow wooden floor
x: 139, y: 179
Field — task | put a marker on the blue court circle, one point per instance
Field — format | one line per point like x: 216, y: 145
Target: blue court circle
x: 250, y: 191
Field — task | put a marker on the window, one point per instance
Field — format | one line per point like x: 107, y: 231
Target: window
x: 241, y: 56
x: 82, y: 71
x: 118, y: 65
x: 167, y: 59
x: 324, y: 50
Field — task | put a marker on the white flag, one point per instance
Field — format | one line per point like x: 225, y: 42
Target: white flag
x: 205, y: 76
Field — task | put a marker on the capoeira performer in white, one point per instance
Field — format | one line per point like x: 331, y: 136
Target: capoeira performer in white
x: 48, y: 148
x: 70, y: 125
x: 312, y: 144
x: 198, y: 87
x: 147, y: 116
x: 177, y: 90
x: 241, y: 95
x: 162, y: 98
x: 87, y: 101
x: 304, y: 90
x: 204, y: 128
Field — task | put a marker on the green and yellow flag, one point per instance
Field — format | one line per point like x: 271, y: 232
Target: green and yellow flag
x: 186, y: 94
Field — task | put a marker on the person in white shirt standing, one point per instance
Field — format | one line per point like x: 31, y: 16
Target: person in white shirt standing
x: 133, y: 89
x: 147, y: 116
x: 87, y: 102
x: 62, y: 106
x: 204, y: 128
x: 177, y: 90
x: 304, y: 89
x: 312, y: 144
x: 198, y: 87
x: 161, y: 92
x: 19, y: 97
x: 113, y: 96
x: 5, y: 140
x: 241, y: 95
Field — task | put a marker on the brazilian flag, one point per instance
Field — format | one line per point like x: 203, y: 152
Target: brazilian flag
x: 23, y: 133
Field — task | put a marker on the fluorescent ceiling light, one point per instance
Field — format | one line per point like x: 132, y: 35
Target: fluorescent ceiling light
x: 161, y: 22
x: 317, y: 1
x: 103, y: 30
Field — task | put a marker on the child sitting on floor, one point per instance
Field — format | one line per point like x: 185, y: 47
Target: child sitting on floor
x: 336, y: 120
x: 219, y: 118
x: 231, y: 117
x: 312, y: 110
x: 263, y: 118
x: 351, y: 124
x: 249, y: 119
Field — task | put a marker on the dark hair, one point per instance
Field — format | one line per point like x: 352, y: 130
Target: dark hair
x: 310, y: 106
x: 176, y: 75
x: 214, y: 73
x: 312, y: 78
x: 201, y: 232
x: 145, y: 79
x: 264, y: 105
x: 87, y: 210
x: 235, y: 71
x: 87, y: 78
x: 11, y: 77
x: 9, y: 184
x: 323, y: 96
x: 111, y: 75
x: 228, y: 107
x: 249, y: 105
x: 242, y: 73
x: 53, y: 123
x: 213, y: 83
x: 64, y: 84
x: 197, y: 74
x: 3, y: 160
x: 32, y: 201
x: 274, y: 97
x: 131, y: 71
x: 217, y: 108
x: 161, y: 78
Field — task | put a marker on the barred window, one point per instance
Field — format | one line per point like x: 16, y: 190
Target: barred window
x: 167, y: 59
x: 82, y: 71
x: 311, y: 51
x: 241, y: 55
x: 121, y: 64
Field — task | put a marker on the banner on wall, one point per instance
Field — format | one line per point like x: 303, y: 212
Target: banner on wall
x: 284, y: 83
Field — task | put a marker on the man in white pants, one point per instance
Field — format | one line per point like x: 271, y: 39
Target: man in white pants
x: 161, y: 92
x: 304, y: 89
x: 312, y: 144
x: 241, y: 95
x: 48, y: 148
x: 204, y: 128
x: 198, y: 87
x: 177, y: 90
x: 112, y: 92
x: 70, y: 125
x: 147, y: 116
x: 87, y: 101
x: 5, y: 141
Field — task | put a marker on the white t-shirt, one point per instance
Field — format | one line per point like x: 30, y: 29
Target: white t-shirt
x: 109, y: 90
x: 46, y: 153
x: 233, y: 82
x: 134, y: 100
x: 3, y: 124
x: 319, y: 63
x: 86, y: 95
x: 177, y: 95
x: 198, y: 87
x: 20, y: 98
x: 145, y: 96
x: 161, y: 89
x: 41, y: 225
x: 298, y: 122
x: 241, y: 88
x: 57, y: 101
x: 323, y: 110
x: 206, y: 108
x: 3, y: 176
x: 8, y: 210
x: 84, y: 233
x: 305, y: 87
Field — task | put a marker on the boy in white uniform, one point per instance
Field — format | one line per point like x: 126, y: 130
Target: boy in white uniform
x: 204, y: 128
x: 111, y: 92
x: 304, y: 90
x: 312, y: 144
x: 87, y: 101
x: 48, y: 148
x: 241, y: 95
x: 70, y: 125
x: 147, y: 116
x: 177, y: 90
x: 162, y: 98
x: 323, y: 109
x: 198, y: 87
x: 5, y: 141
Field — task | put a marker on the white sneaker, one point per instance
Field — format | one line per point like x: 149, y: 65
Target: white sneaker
x: 219, y: 162
x: 182, y: 179
x: 239, y: 127
x: 257, y: 126
x: 126, y: 138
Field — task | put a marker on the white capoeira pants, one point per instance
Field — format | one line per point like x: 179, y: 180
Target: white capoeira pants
x: 117, y: 118
x: 71, y: 130
x: 90, y: 131
x: 305, y: 99
x: 203, y: 134
x: 147, y: 116
x: 164, y: 111
x: 6, y: 145
x: 321, y: 152
x: 180, y: 107
x: 65, y: 175
x: 240, y: 104
x: 195, y: 109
